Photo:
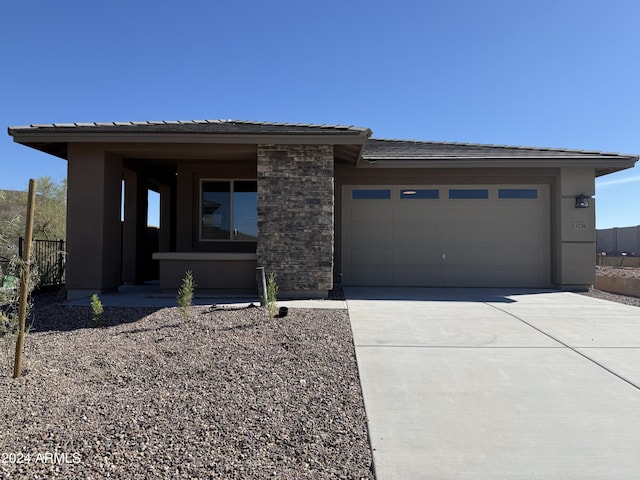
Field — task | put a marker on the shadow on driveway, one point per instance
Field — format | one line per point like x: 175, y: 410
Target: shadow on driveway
x: 487, y: 295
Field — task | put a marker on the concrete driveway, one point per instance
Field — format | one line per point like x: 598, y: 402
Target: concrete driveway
x: 498, y: 384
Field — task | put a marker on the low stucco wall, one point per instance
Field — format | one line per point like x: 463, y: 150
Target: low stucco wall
x: 222, y: 272
x: 621, y: 286
x: 608, y: 261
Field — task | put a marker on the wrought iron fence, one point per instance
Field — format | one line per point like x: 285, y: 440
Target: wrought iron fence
x: 49, y: 257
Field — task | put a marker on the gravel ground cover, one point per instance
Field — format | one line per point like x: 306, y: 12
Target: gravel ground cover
x: 229, y: 394
x: 625, y: 272
x: 612, y: 297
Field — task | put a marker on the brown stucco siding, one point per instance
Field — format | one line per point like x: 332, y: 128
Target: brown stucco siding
x: 93, y: 219
x: 296, y: 215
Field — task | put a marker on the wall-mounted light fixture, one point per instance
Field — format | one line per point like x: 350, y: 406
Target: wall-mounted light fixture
x: 582, y: 201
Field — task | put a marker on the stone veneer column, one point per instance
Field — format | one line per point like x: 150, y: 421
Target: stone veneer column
x: 295, y: 216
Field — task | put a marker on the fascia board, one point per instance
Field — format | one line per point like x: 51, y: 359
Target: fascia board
x: 601, y: 162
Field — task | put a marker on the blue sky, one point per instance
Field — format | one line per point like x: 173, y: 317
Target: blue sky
x: 561, y: 73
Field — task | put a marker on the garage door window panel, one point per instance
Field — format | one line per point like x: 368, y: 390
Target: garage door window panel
x: 468, y: 194
x: 417, y: 194
x: 518, y: 193
x: 371, y: 194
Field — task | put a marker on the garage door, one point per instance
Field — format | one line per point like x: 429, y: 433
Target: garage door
x: 454, y: 236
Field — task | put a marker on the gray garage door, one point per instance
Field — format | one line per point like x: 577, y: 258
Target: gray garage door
x: 454, y: 235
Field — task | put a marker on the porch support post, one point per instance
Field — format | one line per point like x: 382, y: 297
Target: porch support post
x: 134, y: 235
x: 166, y: 224
x: 94, y: 232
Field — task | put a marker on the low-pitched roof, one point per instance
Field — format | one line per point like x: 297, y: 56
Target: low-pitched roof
x: 194, y: 126
x: 404, y: 152
x: 52, y: 138
x: 380, y: 148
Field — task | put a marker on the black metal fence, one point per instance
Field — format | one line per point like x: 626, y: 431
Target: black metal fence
x: 49, y: 257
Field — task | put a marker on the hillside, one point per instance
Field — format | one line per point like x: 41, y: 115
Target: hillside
x: 50, y: 213
x: 13, y: 209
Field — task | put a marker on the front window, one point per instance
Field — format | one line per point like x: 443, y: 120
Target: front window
x: 229, y: 210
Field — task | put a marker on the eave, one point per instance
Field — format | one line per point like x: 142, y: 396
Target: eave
x: 603, y: 165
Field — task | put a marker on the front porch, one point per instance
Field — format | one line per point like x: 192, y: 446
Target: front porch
x: 234, y: 195
x: 224, y: 211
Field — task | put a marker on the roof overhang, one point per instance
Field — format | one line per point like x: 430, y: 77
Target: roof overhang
x: 602, y: 165
x: 389, y: 153
x: 54, y: 139
x: 351, y: 144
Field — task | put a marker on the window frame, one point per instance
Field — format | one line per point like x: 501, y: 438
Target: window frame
x: 231, y: 182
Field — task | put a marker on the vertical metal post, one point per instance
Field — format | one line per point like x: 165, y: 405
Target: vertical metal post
x: 24, y: 283
x: 60, y: 263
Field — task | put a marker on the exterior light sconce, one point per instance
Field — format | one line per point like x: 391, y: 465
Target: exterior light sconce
x: 582, y: 201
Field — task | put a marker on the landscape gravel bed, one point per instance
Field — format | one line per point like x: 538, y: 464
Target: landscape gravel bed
x: 228, y: 394
x: 612, y: 297
x: 620, y: 272
x: 623, y: 272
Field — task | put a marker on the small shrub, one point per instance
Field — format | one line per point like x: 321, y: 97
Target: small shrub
x: 185, y: 295
x: 97, y: 311
x: 272, y: 295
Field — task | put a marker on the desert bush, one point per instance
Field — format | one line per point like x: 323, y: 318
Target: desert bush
x: 272, y: 295
x: 185, y: 295
x: 97, y: 311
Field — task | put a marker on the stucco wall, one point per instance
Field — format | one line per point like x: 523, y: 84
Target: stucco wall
x: 576, y: 244
x: 621, y: 286
x: 296, y: 216
x: 221, y: 272
x: 93, y: 220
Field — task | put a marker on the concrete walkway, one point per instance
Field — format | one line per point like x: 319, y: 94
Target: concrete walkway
x: 497, y: 384
x: 149, y: 295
